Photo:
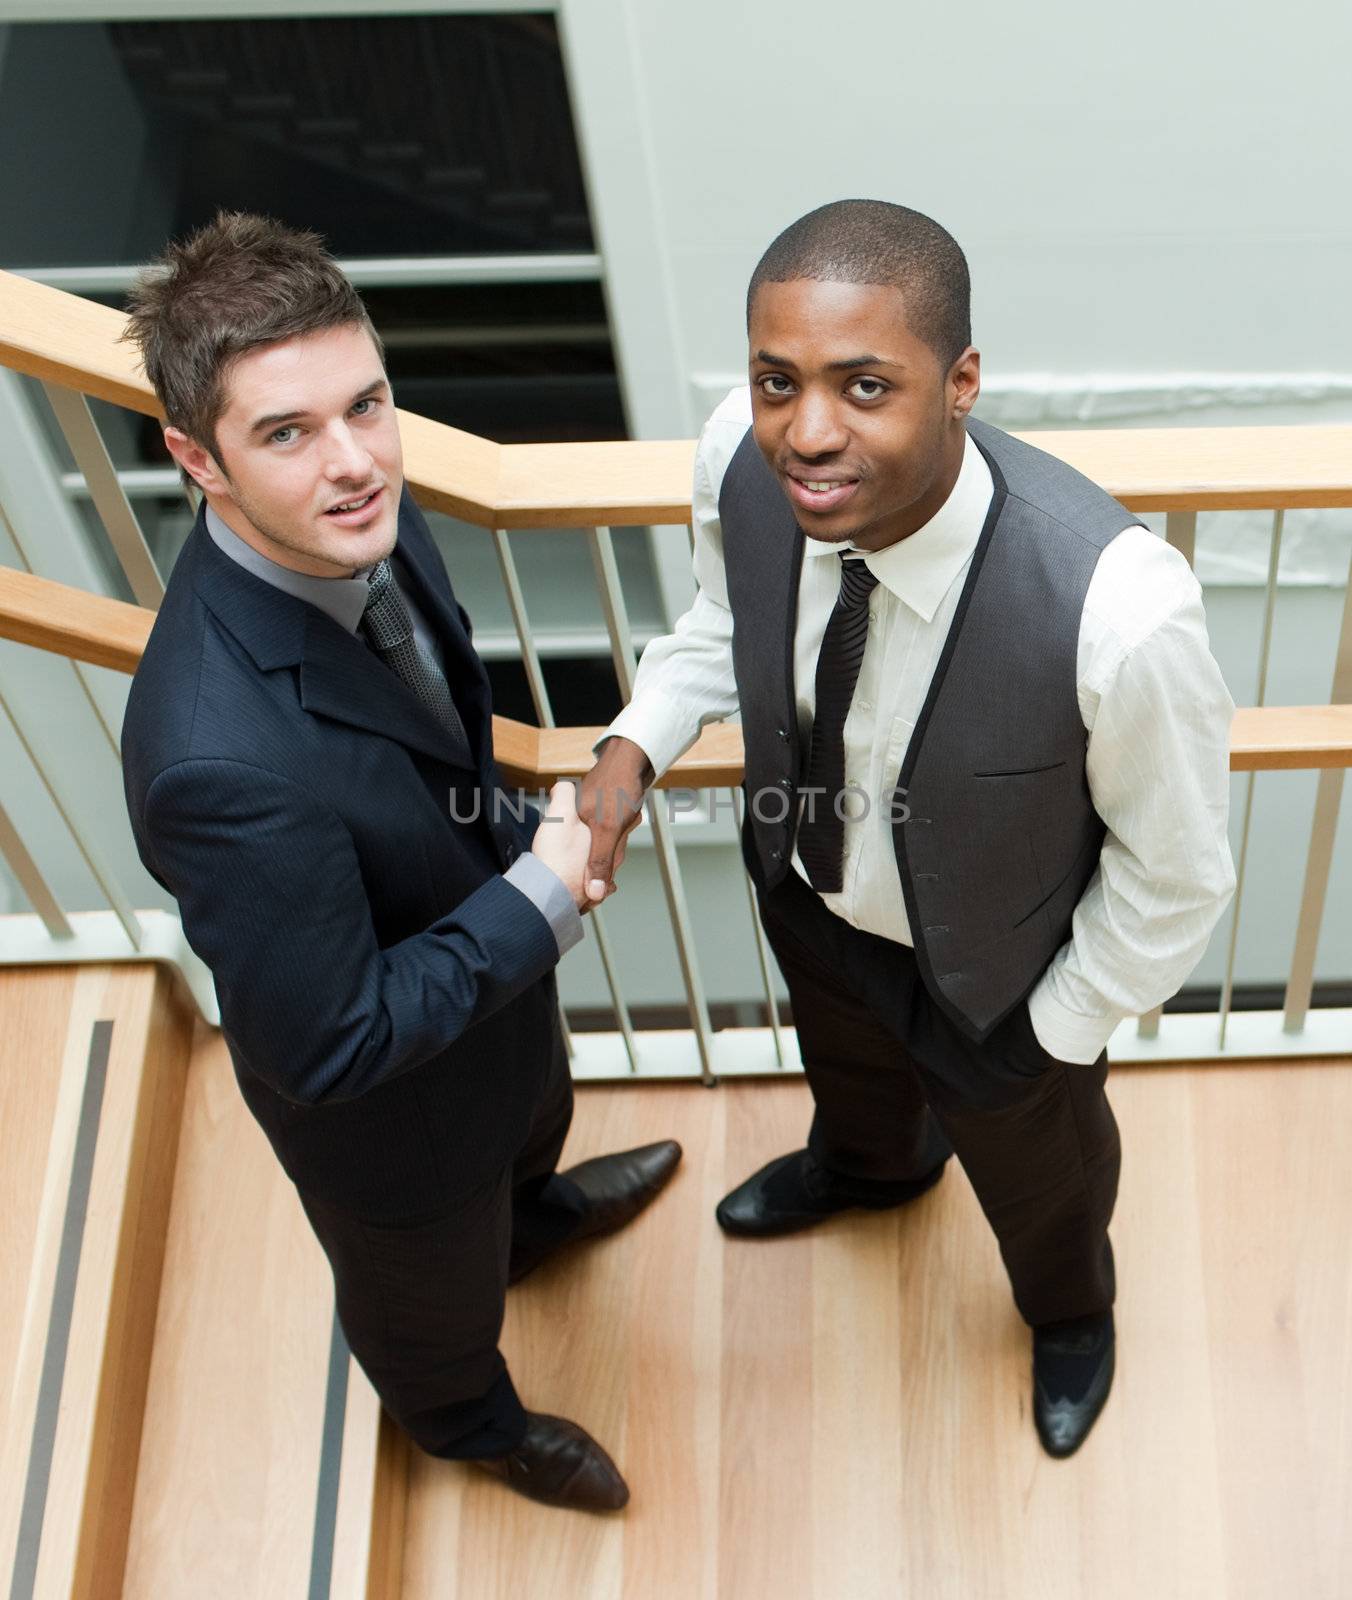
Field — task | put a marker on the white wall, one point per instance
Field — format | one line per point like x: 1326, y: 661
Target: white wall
x: 1157, y: 188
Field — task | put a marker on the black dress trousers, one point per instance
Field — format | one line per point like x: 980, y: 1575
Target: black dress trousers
x: 898, y: 1088
x: 421, y: 1303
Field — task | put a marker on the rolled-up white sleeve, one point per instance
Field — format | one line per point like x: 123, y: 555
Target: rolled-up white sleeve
x: 685, y: 678
x: 1158, y: 772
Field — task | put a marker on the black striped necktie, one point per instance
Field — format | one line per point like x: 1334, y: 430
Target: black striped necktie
x: 821, y: 837
x: 389, y: 628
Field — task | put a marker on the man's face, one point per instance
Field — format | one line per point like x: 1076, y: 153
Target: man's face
x: 308, y: 466
x: 859, y: 419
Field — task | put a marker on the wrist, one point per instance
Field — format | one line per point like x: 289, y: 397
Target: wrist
x: 621, y: 760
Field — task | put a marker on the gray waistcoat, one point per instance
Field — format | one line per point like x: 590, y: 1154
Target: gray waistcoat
x: 1001, y: 837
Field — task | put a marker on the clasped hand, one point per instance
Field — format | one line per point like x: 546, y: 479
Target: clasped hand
x: 583, y: 835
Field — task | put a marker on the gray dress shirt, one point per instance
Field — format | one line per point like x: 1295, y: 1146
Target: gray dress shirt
x: 344, y: 599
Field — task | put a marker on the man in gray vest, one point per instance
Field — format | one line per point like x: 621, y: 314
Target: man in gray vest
x: 986, y: 764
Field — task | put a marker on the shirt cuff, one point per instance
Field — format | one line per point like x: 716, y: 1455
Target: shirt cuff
x: 548, y: 893
x: 658, y: 727
x: 1068, y: 1035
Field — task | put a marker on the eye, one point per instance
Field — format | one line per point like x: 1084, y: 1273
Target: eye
x: 364, y: 408
x: 774, y: 384
x: 284, y: 435
x: 867, y: 389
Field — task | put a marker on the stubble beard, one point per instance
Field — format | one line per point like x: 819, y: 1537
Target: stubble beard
x: 287, y: 541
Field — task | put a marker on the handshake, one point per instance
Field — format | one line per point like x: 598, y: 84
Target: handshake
x: 582, y: 836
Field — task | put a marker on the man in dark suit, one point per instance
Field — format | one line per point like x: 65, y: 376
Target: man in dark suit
x: 986, y: 764
x: 309, y: 771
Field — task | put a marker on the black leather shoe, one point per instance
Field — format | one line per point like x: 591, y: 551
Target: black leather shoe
x: 616, y: 1189
x: 793, y: 1193
x: 1072, y: 1373
x: 560, y: 1464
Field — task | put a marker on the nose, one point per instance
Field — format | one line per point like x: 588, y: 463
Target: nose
x: 816, y: 427
x: 347, y: 459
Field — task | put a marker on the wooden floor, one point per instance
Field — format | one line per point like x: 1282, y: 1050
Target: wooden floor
x: 845, y: 1415
x: 839, y: 1416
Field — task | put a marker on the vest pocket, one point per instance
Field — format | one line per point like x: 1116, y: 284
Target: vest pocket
x: 1021, y: 772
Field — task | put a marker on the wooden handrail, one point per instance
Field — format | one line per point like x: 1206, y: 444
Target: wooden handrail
x: 69, y: 622
x: 65, y: 339
x: 109, y: 633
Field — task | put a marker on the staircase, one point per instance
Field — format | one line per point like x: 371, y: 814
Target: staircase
x: 182, y: 1417
x: 256, y: 1419
x: 90, y: 1107
x: 455, y: 128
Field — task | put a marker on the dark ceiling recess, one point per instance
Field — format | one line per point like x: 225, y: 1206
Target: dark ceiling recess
x: 404, y: 137
x: 392, y: 135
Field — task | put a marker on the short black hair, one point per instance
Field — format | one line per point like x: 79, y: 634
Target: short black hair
x: 873, y: 241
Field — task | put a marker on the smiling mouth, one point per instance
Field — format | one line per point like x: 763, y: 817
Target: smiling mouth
x: 820, y: 494
x: 351, y: 507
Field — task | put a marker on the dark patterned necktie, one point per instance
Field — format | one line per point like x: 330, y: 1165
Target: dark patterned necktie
x: 821, y: 837
x: 389, y: 628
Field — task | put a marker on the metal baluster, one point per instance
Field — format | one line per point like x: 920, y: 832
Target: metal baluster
x: 109, y: 497
x: 762, y: 947
x: 116, y: 899
x: 77, y: 667
x: 530, y: 656
x: 31, y: 881
x: 1328, y: 797
x: 82, y: 678
x: 544, y: 710
x: 1180, y: 529
x: 622, y: 653
x: 1264, y: 656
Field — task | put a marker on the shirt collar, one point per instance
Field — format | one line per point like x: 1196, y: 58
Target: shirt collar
x: 921, y: 568
x: 343, y: 599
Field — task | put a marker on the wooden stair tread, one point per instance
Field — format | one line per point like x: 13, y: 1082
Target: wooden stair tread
x: 90, y: 1099
x: 244, y: 1400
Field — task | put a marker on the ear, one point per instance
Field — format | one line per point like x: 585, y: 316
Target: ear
x: 964, y: 383
x: 196, y: 461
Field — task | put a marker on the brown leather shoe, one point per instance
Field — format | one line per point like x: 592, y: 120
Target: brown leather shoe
x: 560, y: 1464
x: 616, y: 1189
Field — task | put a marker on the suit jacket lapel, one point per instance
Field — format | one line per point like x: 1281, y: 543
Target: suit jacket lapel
x: 339, y: 677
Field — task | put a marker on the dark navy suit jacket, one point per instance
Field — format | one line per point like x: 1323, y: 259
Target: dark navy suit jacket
x: 385, y: 993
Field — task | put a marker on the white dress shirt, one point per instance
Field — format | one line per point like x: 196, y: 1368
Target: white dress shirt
x: 1155, y: 708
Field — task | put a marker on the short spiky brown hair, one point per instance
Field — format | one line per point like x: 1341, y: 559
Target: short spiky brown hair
x: 238, y: 283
